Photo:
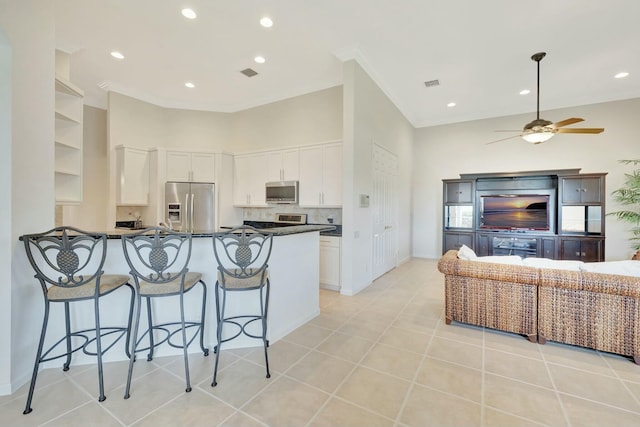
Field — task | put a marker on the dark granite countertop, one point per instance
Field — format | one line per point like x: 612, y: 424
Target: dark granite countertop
x: 277, y: 231
x: 337, y: 232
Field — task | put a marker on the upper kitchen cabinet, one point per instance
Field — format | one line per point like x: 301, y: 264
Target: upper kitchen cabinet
x: 283, y: 165
x: 68, y: 142
x: 321, y: 175
x: 190, y: 166
x: 132, y: 175
x: 249, y: 178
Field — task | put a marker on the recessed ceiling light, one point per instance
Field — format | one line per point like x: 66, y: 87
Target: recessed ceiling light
x: 451, y: 104
x: 117, y: 55
x: 621, y: 75
x: 189, y: 85
x: 266, y: 22
x: 259, y: 59
x: 525, y: 92
x: 189, y: 13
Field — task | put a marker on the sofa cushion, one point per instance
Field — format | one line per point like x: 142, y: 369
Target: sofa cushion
x: 622, y: 268
x: 501, y: 259
x: 466, y: 253
x: 553, y: 263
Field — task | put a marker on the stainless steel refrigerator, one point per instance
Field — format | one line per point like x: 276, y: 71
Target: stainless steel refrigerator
x: 190, y: 206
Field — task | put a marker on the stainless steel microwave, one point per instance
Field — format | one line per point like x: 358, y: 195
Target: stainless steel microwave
x: 282, y: 192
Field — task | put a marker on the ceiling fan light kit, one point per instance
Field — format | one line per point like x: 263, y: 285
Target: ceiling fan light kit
x: 537, y: 137
x: 540, y: 130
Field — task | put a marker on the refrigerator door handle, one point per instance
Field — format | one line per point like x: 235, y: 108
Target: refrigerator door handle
x: 185, y: 223
x: 191, y: 215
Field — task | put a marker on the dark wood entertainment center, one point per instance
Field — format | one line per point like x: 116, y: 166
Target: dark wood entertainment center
x: 567, y: 222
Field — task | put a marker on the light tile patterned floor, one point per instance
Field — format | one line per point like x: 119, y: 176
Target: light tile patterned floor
x: 381, y: 358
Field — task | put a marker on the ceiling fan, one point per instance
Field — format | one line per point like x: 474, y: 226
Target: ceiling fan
x: 540, y: 130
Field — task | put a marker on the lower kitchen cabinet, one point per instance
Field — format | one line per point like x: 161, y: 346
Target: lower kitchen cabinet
x: 330, y: 267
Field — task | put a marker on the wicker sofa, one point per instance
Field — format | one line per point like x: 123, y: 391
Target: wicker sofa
x: 593, y: 310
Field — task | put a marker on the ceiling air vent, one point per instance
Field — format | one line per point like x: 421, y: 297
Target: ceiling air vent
x: 249, y: 72
x: 431, y: 83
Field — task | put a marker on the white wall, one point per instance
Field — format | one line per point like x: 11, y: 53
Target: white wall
x: 370, y: 117
x: 307, y: 119
x: 29, y: 28
x: 6, y: 242
x: 449, y: 150
x: 91, y: 213
x: 197, y: 130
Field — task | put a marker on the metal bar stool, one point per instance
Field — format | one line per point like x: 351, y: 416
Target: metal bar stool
x: 242, y: 254
x: 159, y: 260
x: 68, y: 264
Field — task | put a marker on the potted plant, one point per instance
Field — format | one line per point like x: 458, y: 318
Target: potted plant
x: 629, y: 195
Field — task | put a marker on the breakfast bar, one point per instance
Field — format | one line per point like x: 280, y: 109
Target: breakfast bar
x: 294, y: 299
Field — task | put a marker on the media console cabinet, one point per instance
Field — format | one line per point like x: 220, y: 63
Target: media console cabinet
x: 557, y: 214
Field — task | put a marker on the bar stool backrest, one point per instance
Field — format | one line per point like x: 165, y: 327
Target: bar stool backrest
x: 157, y: 255
x: 66, y: 257
x: 242, y: 253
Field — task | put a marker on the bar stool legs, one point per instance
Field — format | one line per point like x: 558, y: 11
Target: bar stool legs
x: 241, y: 322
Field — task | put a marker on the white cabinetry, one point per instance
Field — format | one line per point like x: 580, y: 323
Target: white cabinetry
x: 283, y: 165
x: 190, y: 166
x: 321, y: 175
x: 249, y: 179
x: 68, y: 142
x: 330, y: 247
x: 132, y: 175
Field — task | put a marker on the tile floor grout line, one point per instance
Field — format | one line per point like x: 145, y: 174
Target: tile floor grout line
x: 395, y: 294
x: 555, y: 389
x: 358, y: 364
x: 412, y: 382
x: 624, y: 383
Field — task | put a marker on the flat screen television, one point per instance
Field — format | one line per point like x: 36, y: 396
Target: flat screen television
x: 519, y: 212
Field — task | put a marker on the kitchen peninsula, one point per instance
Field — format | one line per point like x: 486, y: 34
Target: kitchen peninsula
x: 294, y: 298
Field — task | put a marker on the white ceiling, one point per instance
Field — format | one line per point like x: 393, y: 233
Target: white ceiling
x: 479, y: 51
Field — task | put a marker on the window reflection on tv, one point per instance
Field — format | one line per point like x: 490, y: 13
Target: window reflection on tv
x: 528, y: 212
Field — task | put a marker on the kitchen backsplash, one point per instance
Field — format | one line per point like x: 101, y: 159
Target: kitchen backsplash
x: 130, y: 213
x: 314, y: 215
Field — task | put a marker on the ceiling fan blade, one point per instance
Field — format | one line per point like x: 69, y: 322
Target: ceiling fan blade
x: 503, y: 139
x: 580, y: 130
x: 566, y: 122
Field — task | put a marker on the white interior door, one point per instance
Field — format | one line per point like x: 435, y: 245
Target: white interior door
x: 383, y: 208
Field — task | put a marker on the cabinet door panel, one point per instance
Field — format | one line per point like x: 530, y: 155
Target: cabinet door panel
x: 133, y: 177
x: 456, y: 240
x: 178, y: 166
x: 274, y: 166
x: 591, y: 190
x: 291, y: 164
x: 581, y: 190
x: 310, y: 176
x: 330, y: 261
x: 548, y: 248
x: 483, y: 245
x: 587, y: 250
x: 332, y: 175
x: 591, y: 250
x: 458, y: 192
x: 203, y: 167
x: 249, y: 180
